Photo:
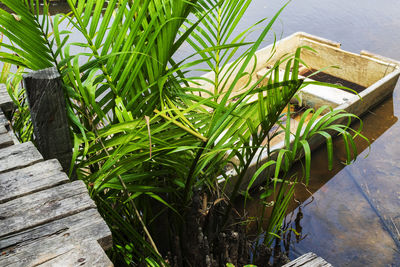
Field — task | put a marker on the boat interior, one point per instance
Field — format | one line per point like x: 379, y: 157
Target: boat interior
x: 369, y: 77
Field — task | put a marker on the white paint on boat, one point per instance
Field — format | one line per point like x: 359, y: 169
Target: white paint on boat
x: 377, y: 74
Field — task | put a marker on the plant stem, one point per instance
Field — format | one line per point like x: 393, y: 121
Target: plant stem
x: 189, y: 180
x: 128, y: 195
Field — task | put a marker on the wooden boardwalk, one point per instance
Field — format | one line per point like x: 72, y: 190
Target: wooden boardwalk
x: 308, y: 260
x: 45, y: 220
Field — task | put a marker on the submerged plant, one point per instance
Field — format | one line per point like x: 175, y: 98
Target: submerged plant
x: 151, y: 141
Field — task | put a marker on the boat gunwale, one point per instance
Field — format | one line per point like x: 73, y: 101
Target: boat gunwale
x: 318, y: 140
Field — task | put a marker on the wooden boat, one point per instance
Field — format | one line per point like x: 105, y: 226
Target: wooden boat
x: 372, y: 76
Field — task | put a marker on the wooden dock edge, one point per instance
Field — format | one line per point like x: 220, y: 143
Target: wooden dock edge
x: 45, y: 219
x: 308, y: 260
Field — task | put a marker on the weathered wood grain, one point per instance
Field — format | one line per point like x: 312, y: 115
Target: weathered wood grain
x: 3, y: 119
x: 40, y: 176
x: 6, y: 103
x: 2, y: 129
x: 48, y: 113
x: 18, y: 156
x: 44, y: 220
x: 87, y: 253
x: 57, y: 251
x: 43, y: 207
x: 5, y: 140
x: 308, y: 260
x: 81, y: 226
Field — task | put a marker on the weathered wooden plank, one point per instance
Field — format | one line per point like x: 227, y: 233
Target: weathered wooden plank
x: 6, y: 103
x: 40, y: 176
x: 308, y: 260
x: 87, y: 253
x: 18, y: 156
x: 43, y: 207
x: 57, y: 251
x: 48, y: 113
x: 5, y: 140
x: 3, y: 120
x: 84, y: 225
x: 2, y: 129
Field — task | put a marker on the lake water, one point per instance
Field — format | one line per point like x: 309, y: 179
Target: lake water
x: 354, y: 213
x: 353, y: 217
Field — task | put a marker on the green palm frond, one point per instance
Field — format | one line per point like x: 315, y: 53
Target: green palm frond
x: 29, y: 36
x: 146, y: 131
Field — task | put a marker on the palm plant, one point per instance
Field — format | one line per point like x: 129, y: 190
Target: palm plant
x: 21, y: 122
x: 149, y: 139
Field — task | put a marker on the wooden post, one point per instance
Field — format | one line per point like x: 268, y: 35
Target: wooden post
x: 49, y: 116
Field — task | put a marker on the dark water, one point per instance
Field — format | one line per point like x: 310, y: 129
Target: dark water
x: 343, y: 220
x: 353, y: 218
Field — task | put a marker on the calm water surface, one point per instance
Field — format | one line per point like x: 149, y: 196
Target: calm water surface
x: 353, y: 217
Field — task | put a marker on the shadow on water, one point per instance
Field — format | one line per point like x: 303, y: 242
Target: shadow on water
x: 340, y: 214
x: 350, y: 215
x: 354, y: 218
x: 375, y: 123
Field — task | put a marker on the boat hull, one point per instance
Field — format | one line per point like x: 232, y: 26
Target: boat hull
x: 377, y: 74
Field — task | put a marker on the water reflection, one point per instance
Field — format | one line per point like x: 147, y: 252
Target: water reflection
x: 355, y: 213
x: 376, y: 122
x: 340, y: 226
x: 349, y: 215
x: 354, y: 219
